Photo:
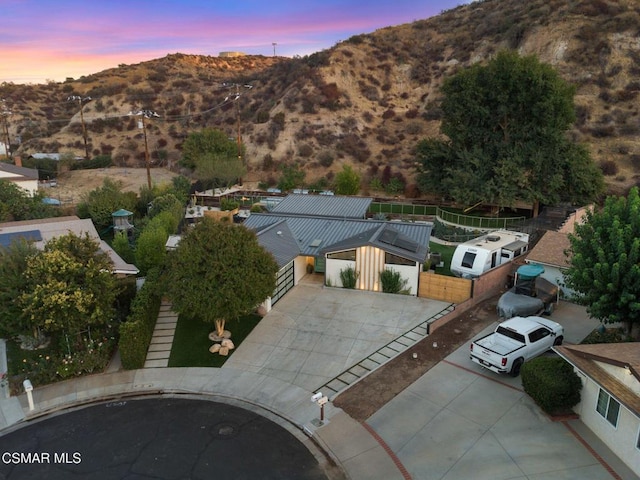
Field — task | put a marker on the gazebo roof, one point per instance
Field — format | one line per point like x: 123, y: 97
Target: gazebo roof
x: 122, y: 213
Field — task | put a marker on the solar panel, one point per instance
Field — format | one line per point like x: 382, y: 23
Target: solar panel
x: 7, y: 239
x: 406, y: 244
x: 388, y: 236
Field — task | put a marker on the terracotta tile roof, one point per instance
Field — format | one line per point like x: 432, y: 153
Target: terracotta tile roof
x: 623, y: 355
x: 550, y: 250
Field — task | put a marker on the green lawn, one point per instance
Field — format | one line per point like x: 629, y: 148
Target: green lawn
x: 447, y: 253
x: 191, y: 341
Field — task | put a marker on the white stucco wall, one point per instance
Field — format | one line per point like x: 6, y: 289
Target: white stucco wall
x: 332, y: 271
x: 621, y: 439
x: 31, y: 186
x: 410, y: 274
x: 368, y: 265
x: 555, y: 276
x: 623, y: 375
x: 299, y: 268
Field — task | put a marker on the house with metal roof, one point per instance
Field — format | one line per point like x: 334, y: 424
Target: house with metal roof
x: 329, y: 244
x: 25, y: 178
x: 278, y: 239
x: 42, y: 230
x: 323, y: 205
x: 52, y: 156
x: 610, y: 397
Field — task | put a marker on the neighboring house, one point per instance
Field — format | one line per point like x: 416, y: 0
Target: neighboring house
x: 51, y: 156
x: 42, y: 230
x: 610, y: 397
x: 550, y: 253
x: 328, y: 240
x: 323, y: 206
x: 25, y: 178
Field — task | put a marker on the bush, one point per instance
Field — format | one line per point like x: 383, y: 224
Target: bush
x: 552, y: 384
x: 609, y: 167
x: 349, y: 277
x: 136, y: 332
x: 392, y: 281
x: 99, y: 161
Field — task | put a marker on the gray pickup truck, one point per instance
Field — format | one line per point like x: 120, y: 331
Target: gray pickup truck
x: 514, y: 342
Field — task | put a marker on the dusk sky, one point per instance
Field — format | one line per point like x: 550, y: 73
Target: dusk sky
x: 44, y: 40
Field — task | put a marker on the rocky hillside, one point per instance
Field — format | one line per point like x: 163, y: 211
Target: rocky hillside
x: 366, y: 101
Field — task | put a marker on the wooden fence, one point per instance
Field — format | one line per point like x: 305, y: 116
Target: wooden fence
x: 444, y: 288
x: 459, y: 290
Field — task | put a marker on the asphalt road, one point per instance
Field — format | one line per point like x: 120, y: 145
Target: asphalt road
x: 161, y: 438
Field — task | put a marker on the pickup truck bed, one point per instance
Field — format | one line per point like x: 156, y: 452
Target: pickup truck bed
x: 515, y: 341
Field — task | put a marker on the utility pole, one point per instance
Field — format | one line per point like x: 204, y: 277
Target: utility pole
x: 145, y: 114
x: 5, y: 112
x: 274, y: 48
x: 238, y: 136
x: 80, y: 99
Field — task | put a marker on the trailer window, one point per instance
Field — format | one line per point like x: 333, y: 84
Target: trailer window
x: 468, y: 259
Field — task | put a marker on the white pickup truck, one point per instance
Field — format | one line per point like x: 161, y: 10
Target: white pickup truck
x: 515, y: 341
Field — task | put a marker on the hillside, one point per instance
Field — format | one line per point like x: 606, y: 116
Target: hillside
x: 366, y: 101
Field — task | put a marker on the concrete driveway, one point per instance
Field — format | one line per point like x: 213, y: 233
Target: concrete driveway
x: 461, y: 421
x: 314, y: 333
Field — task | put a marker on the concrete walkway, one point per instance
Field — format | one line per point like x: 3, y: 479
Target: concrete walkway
x: 162, y: 339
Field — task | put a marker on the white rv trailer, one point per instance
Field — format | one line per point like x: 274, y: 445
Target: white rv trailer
x: 474, y: 257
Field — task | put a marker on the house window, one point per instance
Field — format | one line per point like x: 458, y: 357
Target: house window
x: 391, y: 259
x: 468, y: 259
x: 608, y: 407
x: 345, y: 255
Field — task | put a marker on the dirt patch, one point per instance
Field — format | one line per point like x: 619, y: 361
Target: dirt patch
x: 369, y: 395
x: 74, y: 184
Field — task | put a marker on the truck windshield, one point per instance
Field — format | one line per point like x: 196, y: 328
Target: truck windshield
x: 518, y: 337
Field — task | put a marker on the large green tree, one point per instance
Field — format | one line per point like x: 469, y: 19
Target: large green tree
x: 214, y: 157
x: 100, y: 203
x: 70, y: 286
x: 506, y: 126
x: 17, y: 204
x: 13, y: 282
x: 347, y: 181
x: 219, y: 272
x: 605, y: 261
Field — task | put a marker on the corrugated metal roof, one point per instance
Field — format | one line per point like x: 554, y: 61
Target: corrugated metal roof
x: 51, y: 156
x: 279, y: 241
x: 390, y: 239
x: 323, y: 206
x: 331, y: 231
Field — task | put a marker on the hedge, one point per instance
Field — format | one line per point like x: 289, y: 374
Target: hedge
x: 136, y: 332
x: 552, y: 383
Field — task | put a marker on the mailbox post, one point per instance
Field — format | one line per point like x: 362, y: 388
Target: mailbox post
x: 28, y: 387
x: 321, y: 400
